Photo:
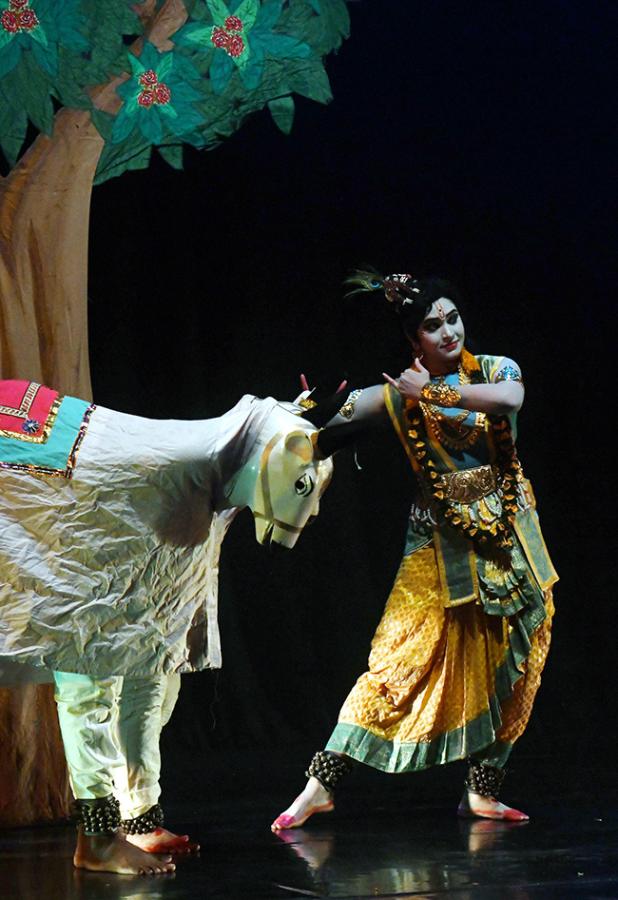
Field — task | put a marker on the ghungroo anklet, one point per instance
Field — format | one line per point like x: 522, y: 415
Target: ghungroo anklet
x: 144, y: 824
x: 484, y: 779
x: 98, y: 816
x: 329, y: 769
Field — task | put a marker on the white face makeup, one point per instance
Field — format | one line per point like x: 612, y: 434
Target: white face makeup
x: 440, y: 337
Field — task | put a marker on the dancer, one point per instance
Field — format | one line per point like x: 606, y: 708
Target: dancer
x: 457, y: 657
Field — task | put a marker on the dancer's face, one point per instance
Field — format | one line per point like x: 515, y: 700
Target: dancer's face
x: 440, y: 337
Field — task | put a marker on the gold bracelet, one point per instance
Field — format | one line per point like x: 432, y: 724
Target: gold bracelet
x: 440, y: 394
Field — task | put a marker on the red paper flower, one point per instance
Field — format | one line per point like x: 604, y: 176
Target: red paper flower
x: 18, y: 4
x: 9, y: 22
x: 148, y: 78
x: 146, y: 98
x: 162, y: 93
x: 233, y: 23
x: 235, y: 46
x: 219, y: 37
x: 28, y: 19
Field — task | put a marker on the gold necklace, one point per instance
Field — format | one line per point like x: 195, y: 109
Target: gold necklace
x: 450, y: 431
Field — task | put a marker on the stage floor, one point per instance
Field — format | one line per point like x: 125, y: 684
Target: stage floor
x: 389, y: 837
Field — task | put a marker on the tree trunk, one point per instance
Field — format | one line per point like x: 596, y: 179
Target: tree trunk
x: 44, y: 220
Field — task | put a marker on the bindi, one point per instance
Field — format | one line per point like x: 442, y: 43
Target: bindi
x: 440, y: 311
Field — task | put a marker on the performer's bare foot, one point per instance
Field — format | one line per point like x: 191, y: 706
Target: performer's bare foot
x: 473, y: 804
x: 163, y: 841
x: 314, y: 799
x: 113, y: 853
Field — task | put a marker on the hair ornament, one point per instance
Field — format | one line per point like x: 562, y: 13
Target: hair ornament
x: 400, y: 289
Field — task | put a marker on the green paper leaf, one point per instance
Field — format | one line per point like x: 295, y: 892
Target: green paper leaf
x: 282, y: 111
x: 172, y: 154
x: 166, y: 110
x: 129, y: 92
x: 252, y: 73
x: 327, y: 31
x: 247, y: 11
x: 9, y: 58
x: 316, y: 5
x: 38, y: 35
x: 32, y: 89
x: 103, y: 122
x: 183, y: 91
x: 218, y: 10
x: 5, y: 38
x: 221, y: 71
x: 310, y: 80
x: 123, y: 126
x: 193, y: 34
x: 184, y: 69
x: 165, y: 66
x: 200, y: 11
x: 150, y: 125
x: 13, y: 126
x: 46, y: 57
x: 188, y: 121
x: 268, y: 16
x: 284, y: 47
x: 115, y: 160
x: 137, y: 66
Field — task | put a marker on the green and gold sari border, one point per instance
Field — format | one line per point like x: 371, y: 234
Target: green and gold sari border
x: 398, y: 757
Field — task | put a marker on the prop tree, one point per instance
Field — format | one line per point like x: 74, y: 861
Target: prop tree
x: 87, y: 91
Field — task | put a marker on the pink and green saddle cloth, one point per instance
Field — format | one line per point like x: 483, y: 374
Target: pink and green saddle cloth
x: 40, y: 431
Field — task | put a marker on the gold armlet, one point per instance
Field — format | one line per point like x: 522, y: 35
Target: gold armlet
x: 440, y: 394
x: 347, y: 410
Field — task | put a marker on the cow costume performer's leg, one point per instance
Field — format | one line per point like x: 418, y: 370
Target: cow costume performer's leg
x: 111, y: 729
x: 145, y: 708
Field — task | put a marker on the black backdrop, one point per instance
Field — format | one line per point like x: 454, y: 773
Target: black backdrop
x: 472, y: 140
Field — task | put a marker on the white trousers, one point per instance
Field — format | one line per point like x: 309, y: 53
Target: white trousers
x: 110, y: 731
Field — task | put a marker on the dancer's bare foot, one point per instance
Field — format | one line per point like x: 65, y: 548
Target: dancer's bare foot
x: 163, y: 841
x: 314, y: 799
x: 113, y: 853
x: 473, y: 804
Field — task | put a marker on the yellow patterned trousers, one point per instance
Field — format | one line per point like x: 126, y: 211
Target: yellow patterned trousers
x: 443, y: 683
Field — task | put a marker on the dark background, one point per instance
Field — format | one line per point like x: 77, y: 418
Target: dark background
x: 471, y: 140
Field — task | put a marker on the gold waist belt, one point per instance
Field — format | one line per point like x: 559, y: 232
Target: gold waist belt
x: 470, y: 485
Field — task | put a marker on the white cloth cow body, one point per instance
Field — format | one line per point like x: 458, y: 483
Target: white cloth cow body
x: 115, y: 570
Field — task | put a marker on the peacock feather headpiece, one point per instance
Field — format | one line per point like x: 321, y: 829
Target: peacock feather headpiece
x: 400, y: 290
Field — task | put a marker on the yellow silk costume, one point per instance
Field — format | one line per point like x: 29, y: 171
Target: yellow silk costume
x: 457, y: 657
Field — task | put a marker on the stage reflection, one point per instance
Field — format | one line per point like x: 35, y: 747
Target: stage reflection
x: 463, y: 858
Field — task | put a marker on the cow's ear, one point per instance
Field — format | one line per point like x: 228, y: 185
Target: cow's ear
x: 299, y: 443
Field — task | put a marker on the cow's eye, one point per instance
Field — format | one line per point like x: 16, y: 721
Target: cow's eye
x: 304, y: 485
